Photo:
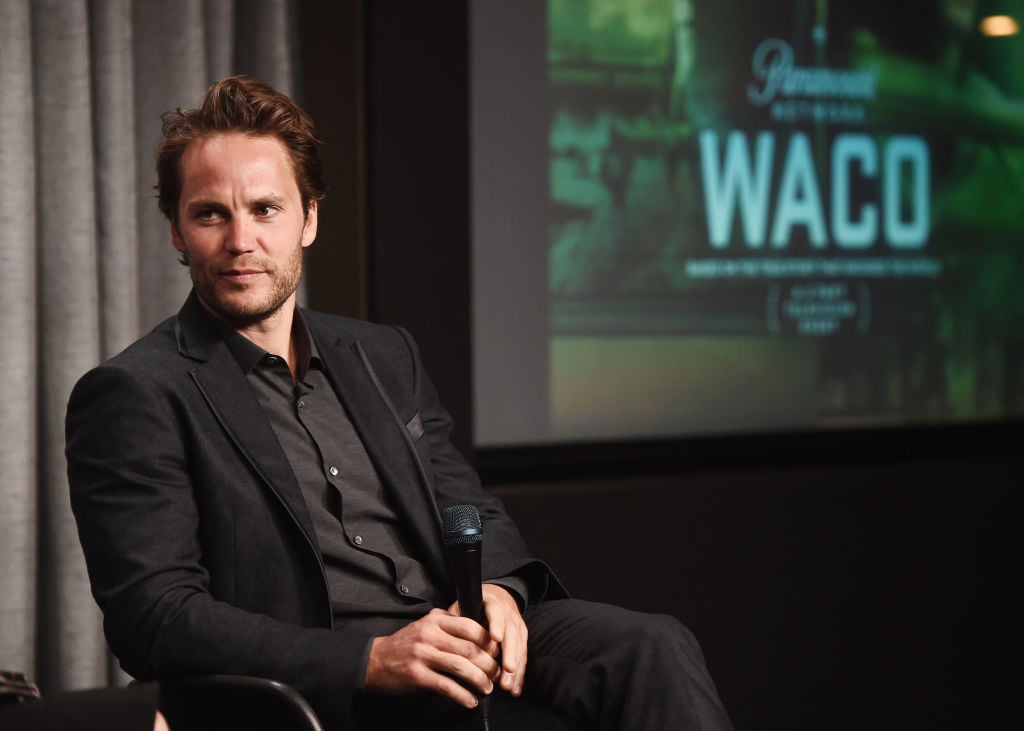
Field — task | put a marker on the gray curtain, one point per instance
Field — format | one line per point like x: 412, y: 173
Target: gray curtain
x: 86, y: 264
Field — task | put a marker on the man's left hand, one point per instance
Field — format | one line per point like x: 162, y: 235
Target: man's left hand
x: 508, y: 629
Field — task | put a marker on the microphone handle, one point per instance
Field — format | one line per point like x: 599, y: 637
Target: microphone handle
x: 465, y: 560
x: 466, y: 565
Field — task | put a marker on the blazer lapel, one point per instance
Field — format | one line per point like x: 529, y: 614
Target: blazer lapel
x: 227, y: 392
x: 384, y: 436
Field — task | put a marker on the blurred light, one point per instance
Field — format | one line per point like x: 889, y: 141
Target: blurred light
x: 999, y: 25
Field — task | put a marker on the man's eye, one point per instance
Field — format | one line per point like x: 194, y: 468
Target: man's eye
x: 265, y: 211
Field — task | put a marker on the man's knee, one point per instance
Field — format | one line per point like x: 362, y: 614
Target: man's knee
x: 661, y: 638
x: 606, y: 636
x: 656, y: 628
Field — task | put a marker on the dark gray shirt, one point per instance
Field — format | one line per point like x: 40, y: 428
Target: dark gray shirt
x: 375, y: 583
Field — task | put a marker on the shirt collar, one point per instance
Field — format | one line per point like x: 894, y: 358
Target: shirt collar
x: 248, y: 354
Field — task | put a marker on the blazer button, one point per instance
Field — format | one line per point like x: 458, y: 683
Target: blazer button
x: 358, y: 540
x: 404, y: 589
x: 333, y: 471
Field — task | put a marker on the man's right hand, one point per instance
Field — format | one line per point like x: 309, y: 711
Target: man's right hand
x: 433, y: 653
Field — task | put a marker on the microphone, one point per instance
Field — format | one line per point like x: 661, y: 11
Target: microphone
x: 463, y: 537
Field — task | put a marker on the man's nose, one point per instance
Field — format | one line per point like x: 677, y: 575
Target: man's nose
x: 240, y: 236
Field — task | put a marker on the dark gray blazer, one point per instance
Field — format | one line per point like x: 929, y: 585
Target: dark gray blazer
x: 200, y: 550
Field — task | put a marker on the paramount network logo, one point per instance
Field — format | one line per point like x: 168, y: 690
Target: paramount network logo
x: 777, y: 75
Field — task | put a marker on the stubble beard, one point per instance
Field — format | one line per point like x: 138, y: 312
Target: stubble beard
x: 241, y: 309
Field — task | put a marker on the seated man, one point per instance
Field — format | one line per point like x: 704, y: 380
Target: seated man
x: 257, y: 486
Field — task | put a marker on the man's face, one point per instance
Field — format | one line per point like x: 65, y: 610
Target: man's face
x: 241, y: 226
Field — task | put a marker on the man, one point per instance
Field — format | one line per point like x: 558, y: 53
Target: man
x: 257, y: 487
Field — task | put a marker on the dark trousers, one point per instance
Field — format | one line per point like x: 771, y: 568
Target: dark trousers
x: 592, y: 667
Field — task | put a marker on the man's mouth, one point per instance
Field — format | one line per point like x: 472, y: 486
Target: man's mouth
x: 242, y: 276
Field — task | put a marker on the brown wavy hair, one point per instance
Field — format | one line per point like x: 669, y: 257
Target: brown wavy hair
x: 246, y: 106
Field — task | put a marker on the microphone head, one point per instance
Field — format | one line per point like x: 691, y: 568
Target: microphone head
x: 460, y: 525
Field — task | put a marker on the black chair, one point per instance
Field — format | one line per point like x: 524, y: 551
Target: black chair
x: 228, y: 702
x: 224, y: 702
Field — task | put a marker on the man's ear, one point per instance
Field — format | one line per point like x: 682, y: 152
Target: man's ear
x: 309, y: 227
x: 179, y: 243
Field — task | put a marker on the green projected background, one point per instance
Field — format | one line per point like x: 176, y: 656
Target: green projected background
x: 783, y: 214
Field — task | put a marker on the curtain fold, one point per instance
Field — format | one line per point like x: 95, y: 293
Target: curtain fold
x: 86, y: 264
x: 113, y: 83
x: 18, y: 387
x: 68, y: 306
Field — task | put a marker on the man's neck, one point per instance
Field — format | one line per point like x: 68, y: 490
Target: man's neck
x: 273, y: 333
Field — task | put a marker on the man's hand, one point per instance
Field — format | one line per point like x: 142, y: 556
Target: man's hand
x: 433, y: 653
x: 508, y: 630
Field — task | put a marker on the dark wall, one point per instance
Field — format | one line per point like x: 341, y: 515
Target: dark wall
x: 851, y: 595
x: 333, y: 91
x: 418, y: 192
x: 842, y: 583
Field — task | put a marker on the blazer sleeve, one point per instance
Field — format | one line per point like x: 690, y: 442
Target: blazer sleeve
x: 135, y: 506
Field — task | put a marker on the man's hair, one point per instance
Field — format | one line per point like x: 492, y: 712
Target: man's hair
x: 245, y: 106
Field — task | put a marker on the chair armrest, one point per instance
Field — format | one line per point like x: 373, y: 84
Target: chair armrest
x: 218, y: 702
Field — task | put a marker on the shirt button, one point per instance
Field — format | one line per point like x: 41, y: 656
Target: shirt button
x: 333, y: 471
x: 358, y: 540
x: 404, y: 589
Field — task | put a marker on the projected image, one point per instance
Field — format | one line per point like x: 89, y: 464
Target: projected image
x: 784, y: 213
